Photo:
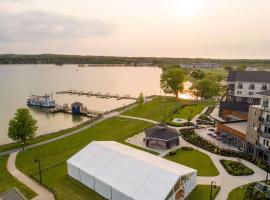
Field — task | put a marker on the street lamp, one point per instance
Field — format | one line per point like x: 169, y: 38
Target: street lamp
x: 37, y: 160
x: 213, y: 183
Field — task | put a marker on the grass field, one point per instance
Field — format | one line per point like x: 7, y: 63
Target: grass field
x: 38, y: 139
x: 219, y: 71
x: 195, y: 159
x: 202, y: 192
x: 54, y: 155
x: 238, y: 193
x: 161, y: 108
x: 7, y: 181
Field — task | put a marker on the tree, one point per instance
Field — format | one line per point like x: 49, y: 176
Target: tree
x: 205, y: 88
x: 228, y: 67
x: 171, y: 81
x: 22, y: 127
x: 241, y: 68
x: 198, y: 74
x: 141, y: 99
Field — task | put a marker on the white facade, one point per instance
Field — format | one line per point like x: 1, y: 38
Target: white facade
x: 119, y: 172
x: 264, y: 138
x: 243, y: 89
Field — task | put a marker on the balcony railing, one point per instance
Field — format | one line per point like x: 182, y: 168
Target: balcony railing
x: 265, y: 135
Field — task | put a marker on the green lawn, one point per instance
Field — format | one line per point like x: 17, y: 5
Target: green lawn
x: 117, y: 129
x: 156, y: 108
x: 202, y: 192
x: 219, y: 71
x: 38, y: 139
x: 7, y: 181
x: 238, y: 193
x: 195, y: 159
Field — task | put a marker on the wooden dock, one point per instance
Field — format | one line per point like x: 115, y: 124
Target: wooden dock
x: 85, y: 112
x: 97, y: 94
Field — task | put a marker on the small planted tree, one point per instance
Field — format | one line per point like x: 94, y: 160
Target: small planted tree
x: 22, y: 127
x: 141, y: 99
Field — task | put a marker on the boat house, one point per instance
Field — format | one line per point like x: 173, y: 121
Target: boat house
x: 76, y: 107
x: 116, y: 171
x: 161, y: 137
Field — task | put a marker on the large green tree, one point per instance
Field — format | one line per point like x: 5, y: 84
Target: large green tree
x: 22, y: 127
x: 171, y: 81
x: 205, y: 88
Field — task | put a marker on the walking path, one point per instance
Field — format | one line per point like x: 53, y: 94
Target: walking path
x: 42, y: 193
x: 139, y: 118
x: 113, y: 114
x: 225, y: 180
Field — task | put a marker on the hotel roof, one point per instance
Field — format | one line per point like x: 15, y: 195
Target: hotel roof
x: 249, y: 76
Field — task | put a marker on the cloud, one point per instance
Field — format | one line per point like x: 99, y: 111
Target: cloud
x: 40, y: 25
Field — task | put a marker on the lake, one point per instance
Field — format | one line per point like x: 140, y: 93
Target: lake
x: 18, y: 82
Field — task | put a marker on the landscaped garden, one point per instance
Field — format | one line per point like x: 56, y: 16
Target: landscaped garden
x: 248, y: 192
x: 236, y: 168
x: 194, y: 159
x: 7, y: 181
x: 53, y: 156
x: 190, y: 136
x: 202, y: 192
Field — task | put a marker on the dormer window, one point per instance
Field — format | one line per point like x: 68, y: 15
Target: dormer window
x: 251, y: 87
x: 240, y: 86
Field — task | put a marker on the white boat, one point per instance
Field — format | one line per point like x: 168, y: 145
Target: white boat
x: 45, y: 101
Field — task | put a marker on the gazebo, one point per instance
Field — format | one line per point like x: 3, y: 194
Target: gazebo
x: 161, y: 137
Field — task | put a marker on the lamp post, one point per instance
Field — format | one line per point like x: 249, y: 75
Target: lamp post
x: 211, y: 191
x: 37, y: 160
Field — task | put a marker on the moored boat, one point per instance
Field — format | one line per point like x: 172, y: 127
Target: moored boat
x: 45, y: 101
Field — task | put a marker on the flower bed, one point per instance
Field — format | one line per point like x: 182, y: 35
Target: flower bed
x: 235, y: 168
x: 190, y: 136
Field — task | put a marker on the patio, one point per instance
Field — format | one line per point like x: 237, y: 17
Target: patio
x: 210, y: 135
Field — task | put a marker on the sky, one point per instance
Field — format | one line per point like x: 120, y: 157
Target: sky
x: 161, y: 28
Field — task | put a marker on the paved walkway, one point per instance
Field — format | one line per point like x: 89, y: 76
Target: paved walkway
x: 113, y: 114
x: 139, y: 118
x: 225, y: 180
x: 42, y: 193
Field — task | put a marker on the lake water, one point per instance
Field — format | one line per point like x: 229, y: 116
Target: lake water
x: 18, y: 82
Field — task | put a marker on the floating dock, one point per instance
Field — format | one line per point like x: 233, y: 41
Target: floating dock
x: 97, y: 94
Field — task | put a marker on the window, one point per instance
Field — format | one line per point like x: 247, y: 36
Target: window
x: 229, y: 98
x: 265, y: 103
x: 268, y: 118
x: 238, y: 99
x: 253, y: 124
x: 267, y: 142
x: 251, y: 86
x: 255, y: 114
x: 250, y: 100
x: 263, y: 141
x: 264, y: 87
x: 240, y: 86
x: 267, y: 129
x: 239, y: 92
x: 250, y: 93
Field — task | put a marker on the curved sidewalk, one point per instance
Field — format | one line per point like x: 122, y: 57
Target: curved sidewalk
x: 42, y: 193
x: 225, y: 180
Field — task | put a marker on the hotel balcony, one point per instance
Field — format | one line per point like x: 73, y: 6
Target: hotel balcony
x: 265, y: 135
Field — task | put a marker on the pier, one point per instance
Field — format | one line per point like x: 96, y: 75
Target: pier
x: 97, y: 94
x: 83, y: 111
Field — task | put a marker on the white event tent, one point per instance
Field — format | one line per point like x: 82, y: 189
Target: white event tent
x: 120, y: 172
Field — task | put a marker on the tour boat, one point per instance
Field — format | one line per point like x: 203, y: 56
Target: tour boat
x: 45, y: 101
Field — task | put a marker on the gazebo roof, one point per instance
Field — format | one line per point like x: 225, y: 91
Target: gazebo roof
x: 161, y: 132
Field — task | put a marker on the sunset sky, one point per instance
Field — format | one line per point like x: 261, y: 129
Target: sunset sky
x: 171, y: 28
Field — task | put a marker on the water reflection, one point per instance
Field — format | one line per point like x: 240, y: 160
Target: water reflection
x: 186, y: 93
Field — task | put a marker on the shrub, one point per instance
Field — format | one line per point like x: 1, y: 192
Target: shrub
x: 172, y: 153
x: 187, y: 148
x: 190, y: 136
x: 236, y: 168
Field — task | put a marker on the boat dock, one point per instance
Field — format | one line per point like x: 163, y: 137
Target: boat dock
x: 97, y: 94
x: 84, y: 111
